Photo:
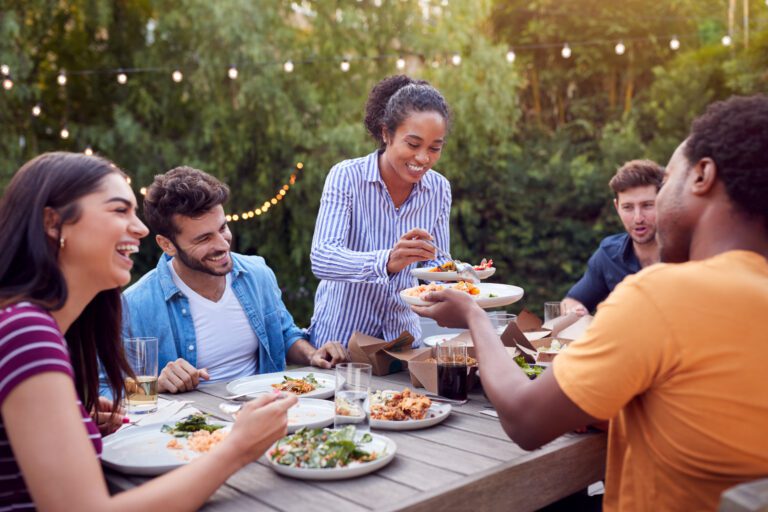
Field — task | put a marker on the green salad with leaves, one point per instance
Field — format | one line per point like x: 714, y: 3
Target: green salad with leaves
x: 532, y: 371
x: 190, y: 424
x: 322, y: 448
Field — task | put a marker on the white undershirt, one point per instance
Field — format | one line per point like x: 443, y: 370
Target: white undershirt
x: 226, y: 343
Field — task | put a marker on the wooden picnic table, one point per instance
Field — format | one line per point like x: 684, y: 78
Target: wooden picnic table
x: 465, y: 463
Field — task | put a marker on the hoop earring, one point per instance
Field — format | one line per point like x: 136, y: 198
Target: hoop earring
x: 62, y: 242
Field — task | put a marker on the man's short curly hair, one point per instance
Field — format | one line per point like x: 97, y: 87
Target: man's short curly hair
x: 734, y: 134
x: 185, y: 191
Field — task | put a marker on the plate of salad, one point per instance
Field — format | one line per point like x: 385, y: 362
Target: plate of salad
x: 303, y: 384
x: 157, y: 449
x: 326, y: 454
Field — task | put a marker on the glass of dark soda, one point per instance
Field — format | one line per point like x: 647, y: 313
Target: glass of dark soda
x: 452, y: 370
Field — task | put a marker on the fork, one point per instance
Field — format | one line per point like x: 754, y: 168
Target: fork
x: 463, y: 270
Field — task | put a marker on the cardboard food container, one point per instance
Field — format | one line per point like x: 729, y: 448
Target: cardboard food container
x: 529, y: 334
x: 385, y: 357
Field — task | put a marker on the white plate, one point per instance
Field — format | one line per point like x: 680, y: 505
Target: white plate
x: 433, y: 341
x: 503, y: 295
x: 257, y: 384
x: 436, y: 414
x: 425, y: 275
x: 310, y: 413
x: 143, y: 450
x: 381, y: 444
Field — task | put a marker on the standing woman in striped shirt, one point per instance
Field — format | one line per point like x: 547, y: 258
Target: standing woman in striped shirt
x: 380, y: 215
x: 67, y: 227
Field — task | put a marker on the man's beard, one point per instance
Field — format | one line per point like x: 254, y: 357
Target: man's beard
x: 198, y: 265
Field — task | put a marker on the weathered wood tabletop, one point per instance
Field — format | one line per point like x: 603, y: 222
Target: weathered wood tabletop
x: 465, y: 463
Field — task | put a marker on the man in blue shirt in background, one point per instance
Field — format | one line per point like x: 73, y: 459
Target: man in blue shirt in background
x: 635, y: 186
x: 217, y: 315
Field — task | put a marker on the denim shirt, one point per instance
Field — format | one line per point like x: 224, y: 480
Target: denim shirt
x: 154, y: 306
x: 614, y: 260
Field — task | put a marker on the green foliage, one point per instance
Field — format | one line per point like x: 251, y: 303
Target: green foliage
x: 532, y: 146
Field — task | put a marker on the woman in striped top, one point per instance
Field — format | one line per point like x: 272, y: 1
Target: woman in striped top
x: 67, y: 227
x: 380, y: 215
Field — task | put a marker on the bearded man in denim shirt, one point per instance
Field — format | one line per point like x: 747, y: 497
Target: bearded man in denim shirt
x: 217, y: 315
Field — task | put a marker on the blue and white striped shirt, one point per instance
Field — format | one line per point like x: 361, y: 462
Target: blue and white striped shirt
x: 356, y: 228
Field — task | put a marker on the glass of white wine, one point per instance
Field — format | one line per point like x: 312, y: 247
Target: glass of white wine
x: 141, y: 391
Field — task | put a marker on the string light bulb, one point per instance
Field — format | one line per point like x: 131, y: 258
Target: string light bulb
x: 566, y: 51
x: 345, y: 65
x: 122, y: 78
x: 62, y: 78
x: 177, y: 76
x: 726, y: 40
x: 5, y: 69
x: 400, y: 63
x: 64, y: 133
x: 128, y: 180
x: 456, y: 59
x: 88, y: 151
x: 674, y: 43
x: 7, y: 84
x: 511, y: 56
x: 143, y: 191
x: 620, y: 48
x: 232, y: 73
x: 37, y: 110
x: 288, y: 66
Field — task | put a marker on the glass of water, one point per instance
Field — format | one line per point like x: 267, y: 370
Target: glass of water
x: 552, y: 310
x: 353, y: 385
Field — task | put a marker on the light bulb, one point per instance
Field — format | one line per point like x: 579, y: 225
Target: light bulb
x: 511, y: 56
x: 456, y: 59
x: 122, y: 78
x: 37, y: 110
x: 620, y: 48
x: 345, y: 65
x: 64, y: 133
x: 232, y: 73
x: 726, y: 40
x: 62, y: 78
x: 288, y: 66
x: 566, y: 51
x: 143, y: 191
x: 5, y: 69
x: 674, y: 43
x: 88, y: 151
x: 7, y: 84
x: 400, y: 63
x: 177, y: 76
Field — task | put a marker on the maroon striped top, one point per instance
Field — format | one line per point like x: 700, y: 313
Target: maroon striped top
x: 30, y: 343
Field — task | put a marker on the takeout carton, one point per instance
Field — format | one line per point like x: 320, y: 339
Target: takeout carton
x: 528, y: 333
x: 385, y: 357
x: 424, y: 372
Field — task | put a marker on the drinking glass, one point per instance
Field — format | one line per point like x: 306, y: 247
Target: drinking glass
x: 353, y: 385
x: 452, y: 370
x: 141, y: 392
x: 552, y: 310
x: 500, y: 320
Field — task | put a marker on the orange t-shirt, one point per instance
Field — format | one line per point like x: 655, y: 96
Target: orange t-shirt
x: 677, y: 355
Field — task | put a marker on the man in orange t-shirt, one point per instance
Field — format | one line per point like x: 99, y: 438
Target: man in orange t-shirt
x: 678, y: 353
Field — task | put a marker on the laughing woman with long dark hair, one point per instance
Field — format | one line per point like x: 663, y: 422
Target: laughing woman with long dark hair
x: 68, y: 225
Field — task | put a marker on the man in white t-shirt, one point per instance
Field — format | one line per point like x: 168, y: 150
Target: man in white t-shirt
x: 217, y: 315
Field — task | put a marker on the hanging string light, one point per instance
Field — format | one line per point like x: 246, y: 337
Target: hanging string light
x: 122, y: 78
x: 232, y: 73
x: 288, y: 66
x: 88, y: 151
x: 345, y: 65
x: 7, y: 83
x: 674, y: 43
x: 177, y: 76
x: 511, y: 56
x: 400, y: 63
x: 456, y: 59
x: 64, y: 133
x: 620, y: 48
x: 566, y: 51
x: 37, y: 110
x: 5, y: 69
x: 269, y: 203
x: 61, y: 79
x: 726, y: 40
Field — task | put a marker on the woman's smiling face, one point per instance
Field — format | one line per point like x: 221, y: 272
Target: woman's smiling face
x: 414, y: 148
